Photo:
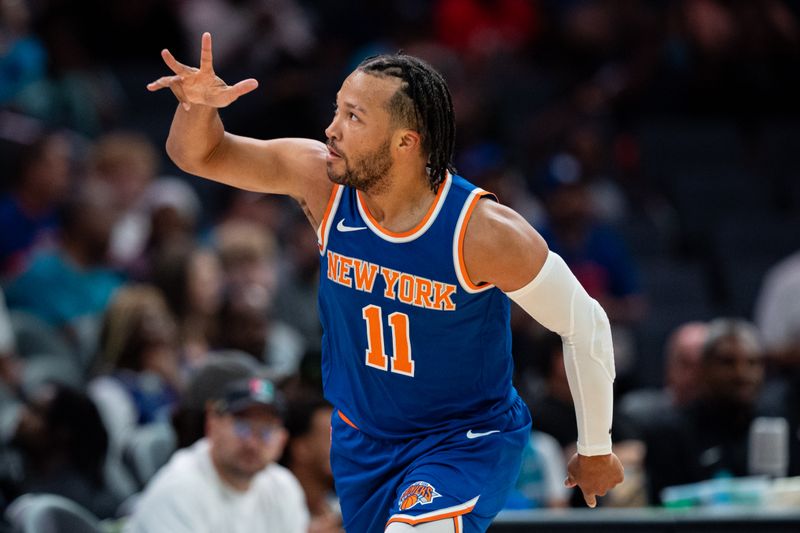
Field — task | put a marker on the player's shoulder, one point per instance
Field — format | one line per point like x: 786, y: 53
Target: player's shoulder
x: 501, y: 247
x: 493, y: 225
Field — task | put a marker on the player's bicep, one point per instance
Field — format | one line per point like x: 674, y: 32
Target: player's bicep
x: 501, y: 248
x: 293, y: 167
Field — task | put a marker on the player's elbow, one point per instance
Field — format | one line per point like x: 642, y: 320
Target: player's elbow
x: 600, y: 317
x: 178, y: 154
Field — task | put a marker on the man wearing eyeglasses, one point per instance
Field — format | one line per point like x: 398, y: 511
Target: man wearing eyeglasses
x: 228, y: 482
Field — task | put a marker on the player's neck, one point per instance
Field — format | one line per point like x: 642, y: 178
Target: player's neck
x: 403, y: 203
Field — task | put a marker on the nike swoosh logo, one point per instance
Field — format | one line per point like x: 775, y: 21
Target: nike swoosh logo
x: 341, y: 227
x: 473, y: 435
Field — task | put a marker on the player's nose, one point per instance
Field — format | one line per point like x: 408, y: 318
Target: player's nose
x: 332, y: 131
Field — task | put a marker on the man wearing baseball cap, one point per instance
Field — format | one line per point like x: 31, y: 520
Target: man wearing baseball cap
x: 228, y: 481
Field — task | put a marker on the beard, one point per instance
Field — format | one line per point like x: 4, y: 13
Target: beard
x: 366, y: 174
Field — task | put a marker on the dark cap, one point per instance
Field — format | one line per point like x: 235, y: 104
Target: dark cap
x: 209, y: 381
x: 245, y: 393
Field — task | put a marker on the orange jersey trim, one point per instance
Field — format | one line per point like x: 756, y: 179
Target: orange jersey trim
x: 413, y: 230
x: 461, y: 263
x: 323, y: 225
x: 430, y: 517
x: 347, y: 420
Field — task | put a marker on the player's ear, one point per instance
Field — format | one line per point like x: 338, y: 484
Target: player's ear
x: 408, y: 139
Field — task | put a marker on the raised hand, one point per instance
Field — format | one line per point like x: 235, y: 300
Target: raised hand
x: 200, y: 86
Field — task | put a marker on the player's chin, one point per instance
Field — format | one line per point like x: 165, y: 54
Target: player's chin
x: 337, y: 178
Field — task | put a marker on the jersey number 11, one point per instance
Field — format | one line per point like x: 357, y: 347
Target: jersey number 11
x: 401, y: 342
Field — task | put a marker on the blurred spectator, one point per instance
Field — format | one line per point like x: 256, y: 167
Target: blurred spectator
x: 228, y: 481
x: 10, y: 376
x: 23, y: 58
x: 726, y: 57
x: 777, y: 312
x: 139, y: 379
x: 79, y: 92
x: 553, y: 414
x: 14, y: 414
x: 552, y: 405
x: 127, y: 162
x: 252, y: 34
x: 41, y: 181
x: 7, y: 341
x: 307, y: 455
x: 587, y: 144
x: 595, y: 253
x: 296, y: 298
x: 247, y: 319
x: 73, y: 281
x: 204, y: 383
x: 484, y: 28
x: 778, y: 317
x: 681, y: 375
x: 265, y: 211
x: 65, y: 450
x: 172, y: 209
x: 248, y: 253
x: 486, y: 163
x: 541, y: 478
x: 247, y: 323
x: 709, y: 437
x: 684, y: 354
x: 191, y: 280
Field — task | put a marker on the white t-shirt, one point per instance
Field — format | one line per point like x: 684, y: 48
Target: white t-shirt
x: 777, y: 313
x: 188, y: 496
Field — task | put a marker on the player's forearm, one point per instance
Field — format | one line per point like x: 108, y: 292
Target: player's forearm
x: 557, y: 301
x: 193, y: 137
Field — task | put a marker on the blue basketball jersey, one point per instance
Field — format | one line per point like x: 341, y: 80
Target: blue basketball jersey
x: 410, y: 344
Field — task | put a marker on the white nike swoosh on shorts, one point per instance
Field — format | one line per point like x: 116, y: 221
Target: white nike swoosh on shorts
x: 473, y: 435
x: 341, y: 227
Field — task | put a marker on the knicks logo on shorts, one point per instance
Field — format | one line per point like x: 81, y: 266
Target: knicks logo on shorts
x: 417, y: 493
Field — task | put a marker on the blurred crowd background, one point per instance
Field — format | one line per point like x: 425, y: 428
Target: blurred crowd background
x: 655, y: 144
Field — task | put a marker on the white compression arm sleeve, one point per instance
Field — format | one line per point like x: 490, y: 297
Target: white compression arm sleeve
x: 557, y: 300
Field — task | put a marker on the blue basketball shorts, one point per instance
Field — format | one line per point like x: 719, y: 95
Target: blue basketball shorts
x: 464, y: 475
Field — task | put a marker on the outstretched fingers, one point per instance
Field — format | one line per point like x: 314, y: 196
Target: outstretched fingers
x: 174, y: 65
x: 206, y: 57
x: 244, y: 87
x: 229, y: 94
x: 164, y: 81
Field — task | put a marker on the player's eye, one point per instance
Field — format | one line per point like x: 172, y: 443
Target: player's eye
x: 352, y: 116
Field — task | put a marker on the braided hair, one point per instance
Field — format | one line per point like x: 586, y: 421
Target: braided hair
x: 423, y: 103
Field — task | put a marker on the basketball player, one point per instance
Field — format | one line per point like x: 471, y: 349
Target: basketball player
x: 417, y: 269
